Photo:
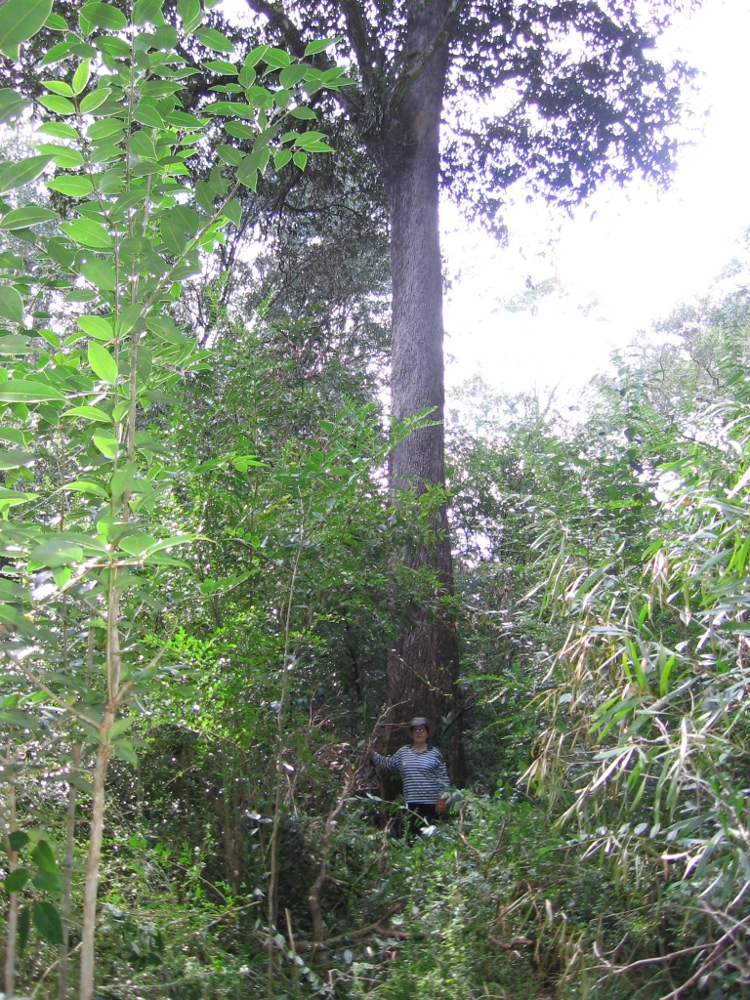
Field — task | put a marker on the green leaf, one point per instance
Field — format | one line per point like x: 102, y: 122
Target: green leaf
x: 107, y: 444
x: 89, y: 488
x: 13, y: 175
x: 81, y: 77
x: 120, y: 726
x: 47, y: 922
x: 71, y: 186
x: 16, y: 459
x: 100, y: 274
x: 97, y: 327
x: 125, y: 750
x: 191, y: 14
x: 219, y: 66
x: 12, y: 346
x: 58, y: 129
x: 58, y: 105
x: 303, y: 113
x: 177, y: 226
x: 214, y: 40
x: 56, y: 552
x: 101, y: 15
x: 88, y: 233
x: 277, y: 58
x: 18, y: 840
x: 123, y: 479
x: 281, y: 158
x: 146, y: 113
x: 102, y: 362
x: 24, y: 218
x: 44, y: 857
x: 239, y: 131
x: 22, y: 391
x: 319, y: 46
x: 58, y: 87
x: 56, y: 23
x: 300, y: 160
x: 11, y: 304
x: 90, y: 413
x: 12, y: 105
x: 17, y: 879
x: 137, y: 544
x: 148, y: 11
x: 95, y: 100
x: 19, y: 21
x: 47, y: 882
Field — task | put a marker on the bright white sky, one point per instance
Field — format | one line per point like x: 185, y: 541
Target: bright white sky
x: 628, y: 258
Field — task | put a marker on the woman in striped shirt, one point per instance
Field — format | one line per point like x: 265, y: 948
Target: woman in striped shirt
x: 422, y: 769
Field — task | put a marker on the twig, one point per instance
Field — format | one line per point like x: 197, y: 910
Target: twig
x: 375, y: 928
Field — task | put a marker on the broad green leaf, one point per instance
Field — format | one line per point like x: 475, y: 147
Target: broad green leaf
x: 17, y: 879
x: 72, y: 186
x: 177, y: 226
x: 18, y: 839
x: 29, y: 215
x: 163, y: 327
x: 11, y: 304
x: 44, y: 857
x: 277, y: 58
x: 47, y: 882
x: 58, y: 87
x: 303, y: 113
x: 13, y: 175
x: 101, y: 15
x: 59, y: 130
x: 123, y: 478
x: 95, y: 100
x: 85, y: 486
x: 97, y: 327
x: 214, y: 40
x: 103, y: 129
x: 240, y: 131
x: 146, y: 113
x: 19, y: 21
x: 120, y: 726
x: 148, y: 11
x: 47, y: 922
x: 88, y: 233
x: 58, y: 105
x: 319, y: 46
x: 300, y: 160
x: 56, y: 552
x: 12, y: 346
x: 191, y: 14
x: 219, y: 66
x: 58, y: 52
x: 125, y: 750
x: 99, y: 273
x: 12, y: 105
x: 16, y: 459
x: 12, y: 498
x: 137, y: 544
x: 14, y: 716
x: 90, y: 413
x: 107, y: 444
x: 22, y: 391
x: 102, y: 362
x: 56, y: 23
x: 281, y: 158
x: 63, y: 156
x: 81, y: 77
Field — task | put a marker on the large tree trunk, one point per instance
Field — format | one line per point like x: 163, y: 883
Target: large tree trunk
x: 422, y: 670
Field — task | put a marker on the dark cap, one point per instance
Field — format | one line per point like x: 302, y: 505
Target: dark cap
x: 419, y: 720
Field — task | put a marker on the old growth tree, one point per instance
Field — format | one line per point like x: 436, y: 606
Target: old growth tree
x: 475, y: 96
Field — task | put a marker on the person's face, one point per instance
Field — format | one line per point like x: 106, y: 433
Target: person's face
x: 419, y: 735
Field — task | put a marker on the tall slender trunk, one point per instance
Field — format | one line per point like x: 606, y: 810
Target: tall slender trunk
x: 422, y: 671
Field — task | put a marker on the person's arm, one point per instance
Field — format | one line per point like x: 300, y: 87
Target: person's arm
x: 441, y: 775
x: 382, y: 763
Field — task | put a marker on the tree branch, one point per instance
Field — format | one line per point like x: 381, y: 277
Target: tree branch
x: 416, y: 66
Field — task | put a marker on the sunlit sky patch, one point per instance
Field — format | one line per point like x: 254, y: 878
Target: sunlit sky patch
x: 549, y: 308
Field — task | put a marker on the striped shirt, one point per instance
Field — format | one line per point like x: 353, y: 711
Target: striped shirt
x: 424, y: 774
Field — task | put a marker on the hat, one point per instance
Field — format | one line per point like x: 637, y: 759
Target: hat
x: 419, y: 720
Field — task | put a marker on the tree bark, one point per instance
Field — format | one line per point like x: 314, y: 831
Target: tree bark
x: 422, y: 671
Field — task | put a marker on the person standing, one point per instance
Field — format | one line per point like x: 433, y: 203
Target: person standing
x: 423, y: 773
